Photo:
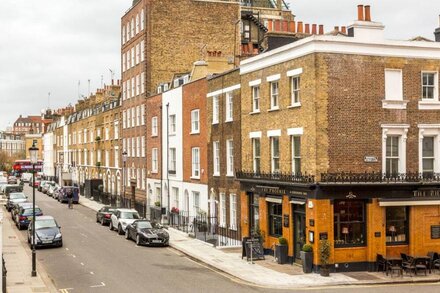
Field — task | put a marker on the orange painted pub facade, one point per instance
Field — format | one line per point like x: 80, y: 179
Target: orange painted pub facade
x: 341, y: 141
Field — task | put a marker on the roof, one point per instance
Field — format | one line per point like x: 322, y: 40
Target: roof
x: 126, y: 210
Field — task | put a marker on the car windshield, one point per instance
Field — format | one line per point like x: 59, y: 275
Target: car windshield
x: 47, y: 223
x: 17, y: 195
x: 28, y: 212
x: 129, y: 215
x: 144, y: 225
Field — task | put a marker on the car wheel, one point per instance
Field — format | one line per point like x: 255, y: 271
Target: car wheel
x: 102, y: 222
x: 19, y: 226
x: 61, y: 244
x: 111, y: 226
x: 97, y: 219
x: 120, y: 231
x: 138, y: 240
x: 127, y: 236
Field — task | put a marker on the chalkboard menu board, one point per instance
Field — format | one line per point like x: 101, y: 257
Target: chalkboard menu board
x: 257, y: 248
x: 435, y: 232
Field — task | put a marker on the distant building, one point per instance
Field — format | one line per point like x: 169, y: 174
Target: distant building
x: 11, y: 143
x: 28, y: 125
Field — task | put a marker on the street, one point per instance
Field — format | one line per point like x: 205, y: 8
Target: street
x: 94, y: 259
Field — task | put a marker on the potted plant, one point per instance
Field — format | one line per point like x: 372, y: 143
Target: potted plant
x: 157, y: 203
x: 281, y: 250
x: 307, y: 258
x: 175, y: 210
x: 98, y: 138
x: 98, y: 164
x: 324, y: 257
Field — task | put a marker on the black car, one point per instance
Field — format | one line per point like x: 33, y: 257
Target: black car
x: 148, y: 233
x: 17, y: 206
x: 104, y: 214
x: 25, y: 215
x: 47, y: 232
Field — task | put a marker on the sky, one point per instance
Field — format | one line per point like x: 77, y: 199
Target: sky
x: 52, y: 46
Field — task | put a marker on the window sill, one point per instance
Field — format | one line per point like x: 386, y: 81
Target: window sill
x: 154, y: 172
x: 273, y: 109
x: 233, y: 228
x: 294, y: 105
x: 214, y: 123
x: 229, y: 120
x: 216, y: 175
x: 396, y: 243
x: 192, y: 133
x: 230, y: 175
x: 172, y: 134
x: 154, y: 135
x: 394, y: 104
x: 194, y: 178
x: 254, y: 112
x: 429, y: 105
x: 351, y: 245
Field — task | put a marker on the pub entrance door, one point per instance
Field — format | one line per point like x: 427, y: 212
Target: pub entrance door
x: 299, y: 229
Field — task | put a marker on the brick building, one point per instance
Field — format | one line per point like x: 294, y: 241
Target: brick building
x: 28, y: 125
x: 340, y: 137
x: 11, y: 143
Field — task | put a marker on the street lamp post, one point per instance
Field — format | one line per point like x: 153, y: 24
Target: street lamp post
x: 124, y: 160
x: 33, y: 151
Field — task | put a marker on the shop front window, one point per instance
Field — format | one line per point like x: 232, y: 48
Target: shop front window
x: 349, y: 223
x: 397, y: 225
x: 254, y: 211
x: 275, y: 219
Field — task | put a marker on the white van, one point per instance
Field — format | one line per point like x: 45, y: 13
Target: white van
x: 25, y: 177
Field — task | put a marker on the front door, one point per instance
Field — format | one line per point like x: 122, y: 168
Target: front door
x: 299, y: 229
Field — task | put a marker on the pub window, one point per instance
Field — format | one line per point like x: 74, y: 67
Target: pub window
x: 392, y: 155
x: 428, y: 156
x: 397, y: 225
x: 349, y: 223
x: 275, y: 219
x: 254, y: 213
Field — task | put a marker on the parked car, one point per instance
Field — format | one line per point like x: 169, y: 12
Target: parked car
x: 15, y: 198
x: 62, y: 195
x: 56, y: 192
x: 104, y: 214
x: 25, y: 177
x: 121, y: 218
x: 12, y: 180
x: 148, y: 233
x: 11, y: 188
x: 47, y: 185
x: 47, y: 232
x: 40, y: 186
x: 25, y: 215
x: 35, y: 183
x: 51, y: 189
x: 16, y: 207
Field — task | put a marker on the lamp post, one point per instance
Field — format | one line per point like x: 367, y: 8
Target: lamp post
x: 133, y: 182
x: 124, y: 160
x: 33, y: 151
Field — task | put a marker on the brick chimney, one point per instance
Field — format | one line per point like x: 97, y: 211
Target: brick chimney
x: 365, y: 29
x: 437, y: 31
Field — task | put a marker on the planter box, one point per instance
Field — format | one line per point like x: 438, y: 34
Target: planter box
x: 281, y: 253
x: 307, y: 261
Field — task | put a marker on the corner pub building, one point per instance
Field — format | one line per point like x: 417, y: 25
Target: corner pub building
x: 341, y: 141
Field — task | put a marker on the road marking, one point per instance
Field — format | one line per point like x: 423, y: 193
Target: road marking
x: 82, y: 234
x: 67, y: 249
x: 65, y: 290
x: 96, y: 286
x: 74, y: 256
x: 92, y: 273
x: 82, y: 263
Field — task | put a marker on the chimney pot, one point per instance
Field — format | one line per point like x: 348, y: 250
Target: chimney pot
x: 314, y: 29
x: 337, y: 28
x: 307, y: 28
x: 344, y: 29
x: 285, y: 26
x: 292, y: 27
x: 361, y: 12
x: 300, y: 27
x: 321, y: 29
x: 367, y: 13
x: 269, y: 25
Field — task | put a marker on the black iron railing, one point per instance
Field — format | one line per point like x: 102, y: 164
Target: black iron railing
x: 281, y: 177
x: 379, y: 177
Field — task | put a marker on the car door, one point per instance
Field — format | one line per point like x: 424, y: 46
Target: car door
x: 115, y: 218
x: 132, y: 230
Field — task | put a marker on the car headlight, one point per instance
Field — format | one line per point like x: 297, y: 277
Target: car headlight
x: 58, y: 235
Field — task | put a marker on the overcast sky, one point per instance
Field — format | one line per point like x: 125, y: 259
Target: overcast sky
x: 50, y: 45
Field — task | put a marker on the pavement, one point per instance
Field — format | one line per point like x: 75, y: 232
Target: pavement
x: 265, y: 273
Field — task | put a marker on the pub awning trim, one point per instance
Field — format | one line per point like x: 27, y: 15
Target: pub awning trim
x: 407, y: 202
x: 274, y: 200
x: 300, y: 201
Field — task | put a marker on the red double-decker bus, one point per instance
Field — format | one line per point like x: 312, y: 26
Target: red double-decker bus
x: 24, y: 166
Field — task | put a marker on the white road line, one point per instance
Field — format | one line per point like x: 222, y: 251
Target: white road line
x: 82, y: 263
x: 74, y: 256
x: 96, y: 286
x: 92, y: 273
x: 67, y: 249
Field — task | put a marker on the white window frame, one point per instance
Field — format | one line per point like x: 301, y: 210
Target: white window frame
x: 154, y: 160
x: 143, y: 82
x: 128, y: 118
x: 154, y: 126
x: 293, y: 156
x: 172, y: 124
x: 400, y: 130
x: 254, y: 157
x: 138, y: 146
x: 195, y: 160
x: 195, y: 121
x: 430, y: 130
x: 429, y: 104
x: 274, y: 95
x: 295, y: 93
x: 256, y: 97
x: 175, y: 193
x: 142, y: 114
x: 196, y: 201
x: 142, y: 20
x: 233, y: 211
x: 137, y: 23
x: 216, y: 158
x: 138, y: 115
x: 133, y: 146
x: 133, y: 117
x: 172, y: 160
x: 138, y: 85
x: 229, y: 157
x: 229, y: 107
x: 222, y: 209
x: 215, y: 109
x: 393, y: 83
x: 116, y: 130
x: 143, y: 146
x: 138, y: 53
x: 133, y: 55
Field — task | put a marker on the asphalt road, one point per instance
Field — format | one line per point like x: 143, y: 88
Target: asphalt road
x: 95, y: 259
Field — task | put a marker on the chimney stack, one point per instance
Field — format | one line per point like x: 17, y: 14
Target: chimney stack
x: 361, y: 12
x: 437, y: 31
x: 314, y: 31
x: 307, y: 28
x: 367, y: 13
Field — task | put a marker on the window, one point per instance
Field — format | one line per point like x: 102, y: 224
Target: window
x: 154, y: 126
x: 128, y: 118
x: 215, y: 109
x: 143, y: 82
x: 132, y: 27
x: 256, y: 98
x: 142, y: 115
x: 296, y: 155
x: 229, y: 107
x: 133, y: 117
x: 142, y: 19
x: 143, y: 146
x: 138, y: 84
x: 175, y: 193
x: 123, y: 34
x: 137, y: 23
x: 142, y: 51
x: 133, y: 146
x: 124, y: 62
x: 429, y: 86
x: 274, y: 95
x: 428, y: 156
x: 116, y: 130
x: 295, y: 90
x: 397, y: 225
x: 216, y: 155
x: 196, y: 201
x: 143, y: 179
x: 195, y: 163
x: 138, y: 115
x: 275, y: 219
x: 229, y: 157
x: 154, y: 160
x: 392, y: 156
x: 275, y: 154
x: 138, y: 53
x: 132, y: 87
x: 107, y: 158
x: 254, y: 213
x: 116, y: 162
x: 172, y: 161
x: 195, y: 121
x: 128, y: 31
x: 172, y: 121
x: 393, y: 84
x: 128, y: 147
x: 133, y: 55
x: 138, y: 146
x: 233, y: 211
x: 107, y: 133
x: 256, y: 154
x: 349, y: 223
x: 222, y: 210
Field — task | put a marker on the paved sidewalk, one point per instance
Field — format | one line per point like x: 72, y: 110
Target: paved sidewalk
x: 259, y: 273
x: 18, y: 260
